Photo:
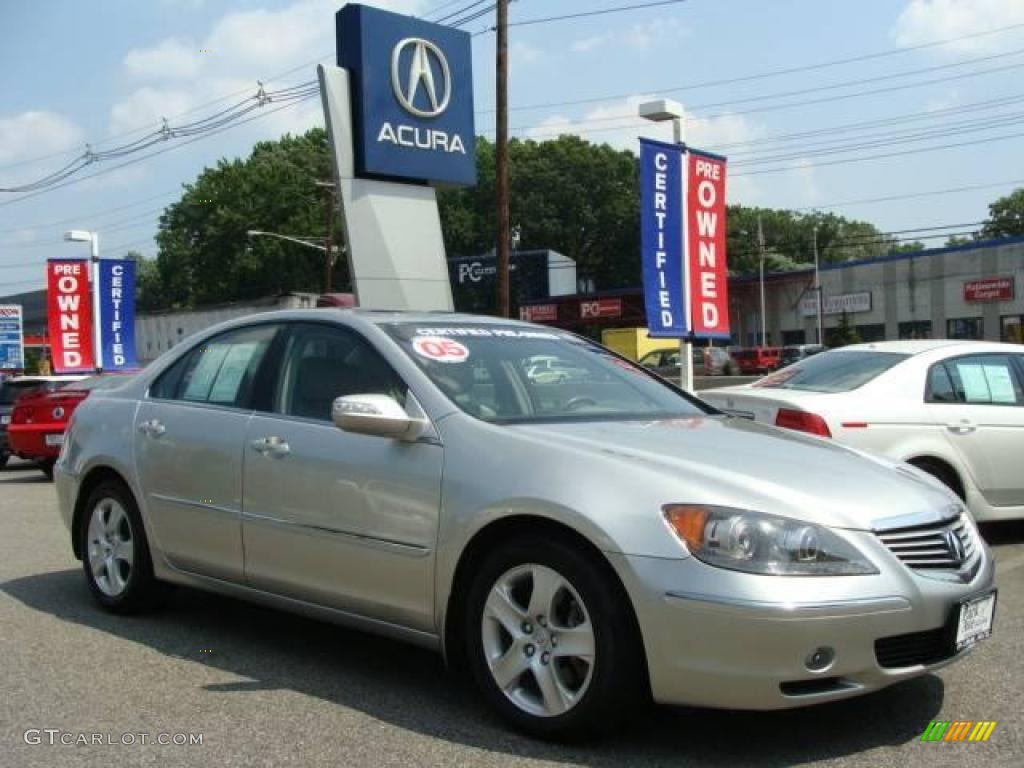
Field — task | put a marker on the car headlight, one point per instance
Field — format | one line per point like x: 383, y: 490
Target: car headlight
x: 756, y: 542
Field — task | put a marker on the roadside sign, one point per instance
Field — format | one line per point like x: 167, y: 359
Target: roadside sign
x: 683, y: 241
x: 12, y: 339
x: 69, y: 315
x: 117, y: 313
x: 412, y: 96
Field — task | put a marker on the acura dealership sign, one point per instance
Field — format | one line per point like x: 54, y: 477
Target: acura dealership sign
x: 412, y: 96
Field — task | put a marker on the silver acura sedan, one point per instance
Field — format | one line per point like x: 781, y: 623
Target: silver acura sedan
x: 575, y: 544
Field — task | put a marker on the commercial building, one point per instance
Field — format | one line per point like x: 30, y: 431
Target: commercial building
x: 973, y: 291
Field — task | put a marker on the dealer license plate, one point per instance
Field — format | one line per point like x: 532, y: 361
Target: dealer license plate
x: 975, y: 620
x: 54, y: 440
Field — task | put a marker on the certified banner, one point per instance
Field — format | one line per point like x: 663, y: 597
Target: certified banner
x: 708, y: 276
x: 117, y: 314
x: 661, y: 238
x: 69, y: 310
x: 12, y: 340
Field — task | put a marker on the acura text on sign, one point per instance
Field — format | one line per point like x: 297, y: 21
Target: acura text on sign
x: 708, y: 276
x: 69, y: 308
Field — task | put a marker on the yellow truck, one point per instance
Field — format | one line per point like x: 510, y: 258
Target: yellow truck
x: 634, y: 343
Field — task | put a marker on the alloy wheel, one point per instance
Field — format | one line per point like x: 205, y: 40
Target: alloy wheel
x: 111, y: 547
x: 538, y: 640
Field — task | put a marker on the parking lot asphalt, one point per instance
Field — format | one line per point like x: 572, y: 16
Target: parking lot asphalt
x: 268, y: 688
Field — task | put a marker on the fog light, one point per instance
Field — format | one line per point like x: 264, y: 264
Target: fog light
x: 820, y: 659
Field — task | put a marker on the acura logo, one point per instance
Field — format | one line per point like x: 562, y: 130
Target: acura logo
x: 426, y: 62
x: 954, y: 545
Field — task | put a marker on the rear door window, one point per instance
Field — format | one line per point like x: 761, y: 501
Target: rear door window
x: 982, y: 380
x: 835, y: 371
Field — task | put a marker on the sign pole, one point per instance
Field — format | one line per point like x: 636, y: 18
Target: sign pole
x: 501, y: 159
x: 686, y: 343
x: 97, y: 339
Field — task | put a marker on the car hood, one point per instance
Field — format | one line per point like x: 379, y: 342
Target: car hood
x: 738, y: 463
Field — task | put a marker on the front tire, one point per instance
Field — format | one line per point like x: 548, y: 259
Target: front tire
x: 115, y: 553
x: 551, y: 644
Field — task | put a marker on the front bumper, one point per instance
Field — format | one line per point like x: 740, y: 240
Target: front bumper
x: 725, y: 639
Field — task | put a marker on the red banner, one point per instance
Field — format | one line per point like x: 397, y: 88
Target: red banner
x: 601, y: 308
x: 69, y: 308
x: 990, y: 289
x: 706, y: 266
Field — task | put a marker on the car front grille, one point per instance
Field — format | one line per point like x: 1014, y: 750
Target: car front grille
x: 948, y: 544
x: 929, y: 647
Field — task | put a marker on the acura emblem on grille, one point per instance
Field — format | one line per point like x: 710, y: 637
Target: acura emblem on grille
x: 954, y: 545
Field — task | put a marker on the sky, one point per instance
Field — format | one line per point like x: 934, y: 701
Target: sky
x: 819, y: 104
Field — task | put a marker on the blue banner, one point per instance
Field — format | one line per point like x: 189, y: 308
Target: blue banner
x: 12, y: 349
x: 117, y: 314
x: 661, y: 238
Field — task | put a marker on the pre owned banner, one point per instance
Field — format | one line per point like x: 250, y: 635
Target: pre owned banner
x: 117, y: 314
x: 708, y: 276
x: 661, y: 238
x: 69, y: 308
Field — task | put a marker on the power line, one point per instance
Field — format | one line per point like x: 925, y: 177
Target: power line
x: 913, y: 195
x: 634, y: 122
x: 586, y: 14
x: 769, y: 73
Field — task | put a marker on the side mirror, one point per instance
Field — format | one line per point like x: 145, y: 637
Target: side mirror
x: 378, y: 415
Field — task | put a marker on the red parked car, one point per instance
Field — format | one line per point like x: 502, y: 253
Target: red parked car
x: 756, y: 360
x: 39, y: 419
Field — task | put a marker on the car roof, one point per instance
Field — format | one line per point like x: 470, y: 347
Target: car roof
x: 920, y: 346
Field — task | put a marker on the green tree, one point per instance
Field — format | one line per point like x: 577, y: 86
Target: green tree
x: 578, y: 198
x: 1005, y: 216
x: 205, y: 254
x: 843, y: 334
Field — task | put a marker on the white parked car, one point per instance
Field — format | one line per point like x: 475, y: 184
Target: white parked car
x: 952, y: 408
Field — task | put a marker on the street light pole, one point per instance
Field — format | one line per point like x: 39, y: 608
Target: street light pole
x: 93, y: 238
x: 661, y: 111
x: 817, y: 286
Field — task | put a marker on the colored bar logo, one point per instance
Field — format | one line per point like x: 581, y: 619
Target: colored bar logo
x: 958, y: 730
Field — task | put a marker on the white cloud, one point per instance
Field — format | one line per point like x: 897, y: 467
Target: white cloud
x: 639, y: 36
x: 35, y: 133
x: 523, y: 52
x: 586, y: 44
x: 172, y: 59
x: 241, y: 47
x: 925, y: 21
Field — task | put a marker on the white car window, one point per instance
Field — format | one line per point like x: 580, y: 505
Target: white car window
x: 985, y: 380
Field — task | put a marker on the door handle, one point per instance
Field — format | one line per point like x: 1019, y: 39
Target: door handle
x: 152, y: 428
x: 962, y: 427
x: 275, y: 447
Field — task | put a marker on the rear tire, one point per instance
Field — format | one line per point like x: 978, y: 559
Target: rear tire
x: 3, y: 459
x: 115, y: 553
x: 551, y: 644
x: 46, y: 467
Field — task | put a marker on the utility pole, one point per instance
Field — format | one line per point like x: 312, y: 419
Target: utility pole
x: 817, y: 286
x: 332, y: 206
x: 760, y: 248
x: 501, y: 164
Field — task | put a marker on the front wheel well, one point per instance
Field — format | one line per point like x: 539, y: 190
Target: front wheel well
x: 490, y: 536
x: 90, y: 482
x: 942, y: 470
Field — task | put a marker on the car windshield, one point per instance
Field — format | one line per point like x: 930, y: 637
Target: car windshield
x: 12, y: 390
x: 835, y: 371
x: 488, y: 372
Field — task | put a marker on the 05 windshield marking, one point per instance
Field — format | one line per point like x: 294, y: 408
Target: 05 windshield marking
x: 508, y: 374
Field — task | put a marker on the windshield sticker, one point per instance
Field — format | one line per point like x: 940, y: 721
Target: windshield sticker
x: 440, y: 350
x: 487, y: 333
